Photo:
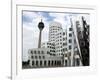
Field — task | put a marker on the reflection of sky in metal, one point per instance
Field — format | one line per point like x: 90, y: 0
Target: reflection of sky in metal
x: 30, y: 30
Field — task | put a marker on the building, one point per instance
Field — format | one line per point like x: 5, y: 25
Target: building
x: 54, y: 27
x: 64, y: 44
x: 50, y: 46
x: 83, y: 38
x: 72, y: 57
x: 61, y: 49
x: 41, y: 57
x: 44, y: 55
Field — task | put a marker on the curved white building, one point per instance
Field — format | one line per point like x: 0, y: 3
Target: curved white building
x: 54, y: 27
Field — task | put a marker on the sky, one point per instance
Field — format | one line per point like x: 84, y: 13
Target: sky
x: 30, y: 20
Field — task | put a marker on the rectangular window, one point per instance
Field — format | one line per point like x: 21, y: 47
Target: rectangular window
x: 35, y: 57
x: 42, y: 52
x: 70, y: 29
x: 32, y: 62
x: 31, y: 52
x: 70, y: 47
x: 63, y: 39
x: 39, y: 57
x: 70, y: 35
x: 70, y: 41
x: 34, y: 52
x: 63, y: 33
x: 38, y: 52
x: 32, y: 57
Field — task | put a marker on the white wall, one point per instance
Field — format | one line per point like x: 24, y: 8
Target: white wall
x: 5, y: 37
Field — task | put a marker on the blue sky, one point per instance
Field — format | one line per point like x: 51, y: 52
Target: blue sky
x: 31, y: 19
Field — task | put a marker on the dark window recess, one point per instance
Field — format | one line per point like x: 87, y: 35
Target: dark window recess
x: 70, y: 29
x: 45, y: 63
x: 35, y: 57
x: 70, y: 35
x: 34, y: 52
x: 32, y: 62
x: 31, y: 52
x: 70, y: 41
x: 63, y: 33
x: 40, y: 63
x: 39, y: 52
x: 43, y: 57
x: 66, y: 49
x: 49, y: 63
x: 70, y: 47
x: 32, y: 57
x: 77, y: 60
x: 37, y: 63
x: 42, y: 52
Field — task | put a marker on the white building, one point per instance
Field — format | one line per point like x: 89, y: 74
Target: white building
x: 41, y: 57
x: 50, y: 46
x: 54, y: 27
x: 72, y: 52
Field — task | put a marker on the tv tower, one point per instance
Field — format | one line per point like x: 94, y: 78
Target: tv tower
x: 40, y: 26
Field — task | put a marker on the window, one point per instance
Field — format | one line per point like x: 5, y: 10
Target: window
x: 65, y: 62
x: 31, y: 52
x: 70, y: 29
x: 40, y: 63
x: 39, y: 57
x: 77, y: 61
x: 42, y: 52
x: 52, y: 63
x: 64, y: 44
x: 48, y: 63
x: 63, y: 39
x: 63, y: 33
x: 55, y: 63
x: 43, y: 57
x: 32, y: 62
x: 45, y: 63
x: 48, y: 52
x: 66, y: 49
x: 34, y: 52
x: 70, y: 47
x: 70, y: 41
x: 39, y: 52
x: 35, y: 57
x: 32, y: 57
x: 37, y: 63
x: 70, y: 35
